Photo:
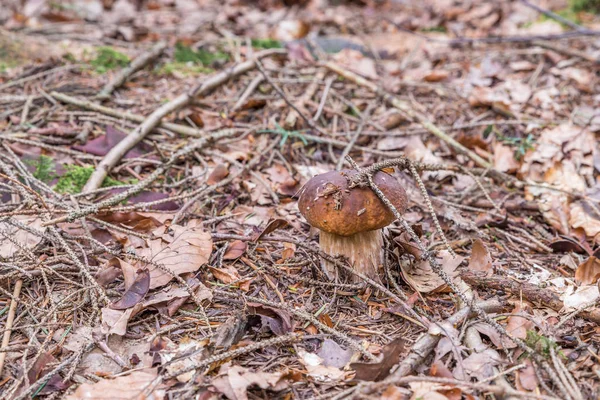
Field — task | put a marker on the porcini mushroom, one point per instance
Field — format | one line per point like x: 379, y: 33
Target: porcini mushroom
x: 350, y: 220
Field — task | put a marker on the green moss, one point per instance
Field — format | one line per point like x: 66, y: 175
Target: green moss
x: 108, y: 58
x: 185, y: 69
x: 591, y: 6
x: 76, y: 177
x: 185, y: 54
x: 266, y: 44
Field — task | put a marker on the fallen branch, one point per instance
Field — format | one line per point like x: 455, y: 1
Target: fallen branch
x: 116, y: 153
x: 137, y: 64
x: 9, y: 321
x: 111, y: 112
x: 532, y: 293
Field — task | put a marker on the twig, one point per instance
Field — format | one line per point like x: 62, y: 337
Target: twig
x: 9, y: 320
x: 354, y: 138
x: 40, y: 75
x: 409, y: 112
x: 116, y: 153
x: 137, y: 64
x: 88, y: 105
x: 553, y: 16
x: 249, y: 90
x: 279, y: 91
x: 93, y: 209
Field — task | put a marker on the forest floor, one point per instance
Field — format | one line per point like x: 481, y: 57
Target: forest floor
x: 151, y: 157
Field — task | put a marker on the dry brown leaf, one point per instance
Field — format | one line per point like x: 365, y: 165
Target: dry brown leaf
x: 420, y: 275
x: 588, y: 272
x: 526, y: 377
x: 235, y: 250
x: 480, y: 258
x: 582, y: 217
x: 179, y: 249
x: 504, y: 159
x: 115, y: 321
x: 437, y: 75
x: 518, y: 326
x: 128, y: 387
x: 219, y: 173
x: 379, y: 370
x: 234, y: 381
x: 20, y: 236
x: 226, y: 275
x: 356, y: 62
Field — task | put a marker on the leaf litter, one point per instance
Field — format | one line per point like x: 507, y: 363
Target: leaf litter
x: 203, y: 280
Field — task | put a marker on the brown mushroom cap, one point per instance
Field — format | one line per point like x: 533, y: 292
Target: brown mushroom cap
x: 328, y: 204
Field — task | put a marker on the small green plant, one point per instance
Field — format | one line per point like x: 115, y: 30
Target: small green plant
x: 542, y: 344
x: 44, y: 168
x: 185, y: 54
x: 108, y: 58
x: 522, y: 145
x: 75, y: 178
x: 266, y: 44
x: 285, y: 134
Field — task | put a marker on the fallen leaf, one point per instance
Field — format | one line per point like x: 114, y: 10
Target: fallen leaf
x: 115, y: 321
x: 235, y: 250
x: 179, y: 249
x: 234, y: 381
x: 588, y: 272
x: 380, y: 370
x: 132, y: 386
x: 272, y: 226
x: 437, y: 75
x: 527, y: 378
x: 101, y: 145
x: 24, y: 238
x: 334, y: 355
x: 518, y: 326
x: 220, y: 172
x: 226, y: 275
x: 480, y: 258
x: 574, y: 299
x: 314, y: 365
x: 134, y: 293
x: 279, y: 321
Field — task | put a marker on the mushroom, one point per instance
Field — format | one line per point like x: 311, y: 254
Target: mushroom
x: 351, y: 220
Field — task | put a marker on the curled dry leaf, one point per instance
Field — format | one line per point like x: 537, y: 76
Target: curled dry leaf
x: 588, y: 271
x: 128, y: 387
x: 234, y: 381
x: 134, y: 293
x: 272, y: 226
x: 218, y: 174
x: 179, y: 249
x: 279, y: 321
x: 380, y: 370
x: 315, y: 368
x: 115, y: 321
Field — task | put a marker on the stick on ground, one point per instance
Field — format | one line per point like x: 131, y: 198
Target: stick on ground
x: 116, y: 153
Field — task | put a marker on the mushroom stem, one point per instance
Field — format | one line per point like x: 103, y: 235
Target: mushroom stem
x: 364, y: 251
